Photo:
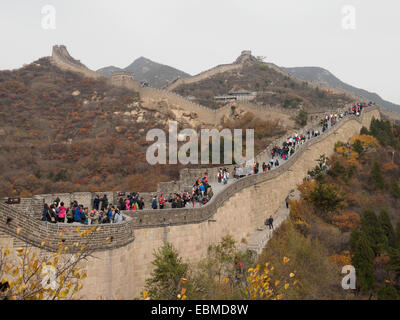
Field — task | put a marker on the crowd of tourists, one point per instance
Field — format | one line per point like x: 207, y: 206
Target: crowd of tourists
x: 201, y: 193
x: 101, y: 212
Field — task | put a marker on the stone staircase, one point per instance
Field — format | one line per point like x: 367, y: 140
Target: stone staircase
x: 259, y: 239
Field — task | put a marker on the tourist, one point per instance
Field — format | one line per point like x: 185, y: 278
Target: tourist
x: 53, y: 214
x: 94, y: 217
x: 141, y: 203
x: 78, y: 210
x: 45, y: 213
x: 85, y: 216
x: 154, y: 203
x: 96, y: 202
x: 127, y: 205
x: 270, y: 222
x: 219, y: 175
x: 162, y: 201
x: 117, y: 217
x: 104, y: 202
x: 70, y: 213
x: 61, y: 212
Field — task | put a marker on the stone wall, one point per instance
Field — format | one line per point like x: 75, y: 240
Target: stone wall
x: 204, y: 75
x: 119, y: 268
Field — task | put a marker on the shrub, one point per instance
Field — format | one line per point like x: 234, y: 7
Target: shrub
x: 165, y: 280
x: 376, y: 176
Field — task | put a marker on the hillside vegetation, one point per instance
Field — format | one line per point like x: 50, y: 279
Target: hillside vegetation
x: 347, y: 216
x: 61, y: 132
x: 325, y: 78
x: 273, y: 88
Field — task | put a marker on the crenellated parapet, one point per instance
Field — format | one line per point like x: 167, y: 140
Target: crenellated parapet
x: 34, y: 231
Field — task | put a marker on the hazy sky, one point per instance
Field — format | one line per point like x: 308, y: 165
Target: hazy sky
x: 195, y: 35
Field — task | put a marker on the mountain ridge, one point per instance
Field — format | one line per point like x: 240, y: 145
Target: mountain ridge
x: 324, y: 77
x: 156, y: 74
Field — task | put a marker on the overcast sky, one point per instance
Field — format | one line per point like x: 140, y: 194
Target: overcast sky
x: 195, y: 35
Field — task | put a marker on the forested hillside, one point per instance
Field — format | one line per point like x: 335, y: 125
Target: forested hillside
x: 272, y: 87
x: 61, y: 132
x: 347, y: 216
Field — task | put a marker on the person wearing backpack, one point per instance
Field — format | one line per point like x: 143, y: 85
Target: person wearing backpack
x: 70, y: 213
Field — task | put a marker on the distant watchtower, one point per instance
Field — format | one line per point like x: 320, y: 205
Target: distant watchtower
x: 245, y: 56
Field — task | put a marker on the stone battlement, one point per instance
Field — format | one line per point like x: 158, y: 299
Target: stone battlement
x: 238, y: 210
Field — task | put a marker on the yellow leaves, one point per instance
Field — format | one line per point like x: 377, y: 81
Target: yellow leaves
x: 225, y: 280
x: 286, y: 260
x: 83, y: 247
x: 366, y: 140
x: 295, y: 282
x: 43, y: 243
x: 291, y: 275
x: 107, y: 239
x: 286, y: 286
x: 15, y: 271
x: 78, y: 287
x: 276, y: 283
x: 63, y: 293
x: 98, y: 229
x: 145, y: 295
x: 6, y: 252
x: 78, y: 229
x: 76, y: 244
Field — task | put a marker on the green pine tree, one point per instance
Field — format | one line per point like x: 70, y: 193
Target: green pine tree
x: 387, y: 227
x: 398, y: 235
x: 357, y: 147
x: 373, y: 231
x: 377, y: 177
x: 394, y: 188
x: 165, y: 280
x: 395, y: 261
x: 363, y: 261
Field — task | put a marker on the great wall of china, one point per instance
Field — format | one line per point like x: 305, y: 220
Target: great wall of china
x: 118, y: 268
x: 150, y: 96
